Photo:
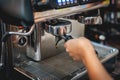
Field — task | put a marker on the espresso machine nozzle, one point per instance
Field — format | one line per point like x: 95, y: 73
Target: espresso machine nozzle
x: 60, y: 29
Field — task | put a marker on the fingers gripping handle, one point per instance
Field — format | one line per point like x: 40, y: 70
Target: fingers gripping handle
x: 65, y: 37
x: 68, y: 37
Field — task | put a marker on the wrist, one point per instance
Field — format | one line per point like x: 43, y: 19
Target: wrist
x: 89, y: 56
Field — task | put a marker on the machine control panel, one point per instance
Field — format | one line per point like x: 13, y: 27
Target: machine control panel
x: 65, y: 3
x: 57, y: 4
x: 53, y: 4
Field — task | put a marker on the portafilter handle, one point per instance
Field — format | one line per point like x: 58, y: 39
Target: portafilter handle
x: 65, y: 37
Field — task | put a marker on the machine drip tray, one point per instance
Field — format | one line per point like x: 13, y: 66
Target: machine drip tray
x: 59, y: 67
x: 62, y: 66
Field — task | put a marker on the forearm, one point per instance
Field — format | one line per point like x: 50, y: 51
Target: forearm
x: 82, y: 49
x: 95, y: 69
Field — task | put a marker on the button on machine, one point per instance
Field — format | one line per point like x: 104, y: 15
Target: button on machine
x: 64, y: 3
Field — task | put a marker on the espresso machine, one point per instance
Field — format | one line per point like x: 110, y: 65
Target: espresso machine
x: 42, y: 56
x: 35, y: 50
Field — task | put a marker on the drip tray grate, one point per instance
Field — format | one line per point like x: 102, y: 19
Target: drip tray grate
x: 62, y: 66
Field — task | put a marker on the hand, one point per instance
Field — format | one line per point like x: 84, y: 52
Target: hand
x: 79, y: 48
x: 82, y: 49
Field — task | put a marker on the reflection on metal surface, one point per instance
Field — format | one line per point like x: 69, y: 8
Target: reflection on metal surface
x: 33, y: 48
x: 60, y: 29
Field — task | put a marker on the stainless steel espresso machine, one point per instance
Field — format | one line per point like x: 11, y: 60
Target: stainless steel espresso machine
x: 36, y: 51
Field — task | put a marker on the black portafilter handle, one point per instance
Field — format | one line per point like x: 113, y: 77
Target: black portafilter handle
x: 67, y: 37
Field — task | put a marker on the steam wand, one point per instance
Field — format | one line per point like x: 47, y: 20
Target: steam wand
x: 5, y: 38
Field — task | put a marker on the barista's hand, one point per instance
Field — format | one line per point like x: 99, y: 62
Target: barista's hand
x: 79, y: 48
